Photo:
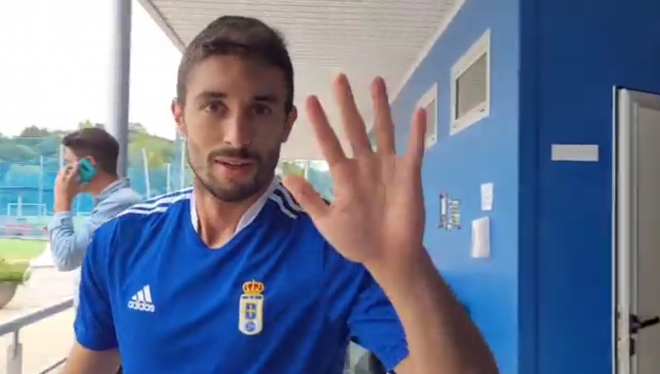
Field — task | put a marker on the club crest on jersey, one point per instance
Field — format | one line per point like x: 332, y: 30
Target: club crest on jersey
x: 251, y: 308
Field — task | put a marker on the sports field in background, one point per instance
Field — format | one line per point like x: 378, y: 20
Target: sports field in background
x: 21, y: 249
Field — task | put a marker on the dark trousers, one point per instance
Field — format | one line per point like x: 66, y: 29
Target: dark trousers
x: 120, y: 371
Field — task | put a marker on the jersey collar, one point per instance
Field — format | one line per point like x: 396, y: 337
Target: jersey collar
x: 249, y: 215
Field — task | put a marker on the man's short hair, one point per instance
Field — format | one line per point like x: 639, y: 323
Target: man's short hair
x: 97, y: 143
x: 238, y: 36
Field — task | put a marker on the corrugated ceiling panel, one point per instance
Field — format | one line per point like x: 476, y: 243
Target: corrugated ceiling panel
x: 362, y: 38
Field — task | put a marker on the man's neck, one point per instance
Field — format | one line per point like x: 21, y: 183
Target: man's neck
x: 218, y: 220
x: 101, y: 183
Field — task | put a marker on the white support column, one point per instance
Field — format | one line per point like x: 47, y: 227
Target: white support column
x: 60, y: 155
x: 306, y: 169
x: 147, y: 182
x: 120, y: 78
x: 169, y: 177
x: 41, y: 181
x: 15, y: 356
x: 182, y: 165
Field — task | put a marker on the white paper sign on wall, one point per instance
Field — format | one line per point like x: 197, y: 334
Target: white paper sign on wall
x: 487, y: 196
x: 575, y: 152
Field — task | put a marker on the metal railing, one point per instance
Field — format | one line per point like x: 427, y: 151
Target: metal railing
x: 15, y: 349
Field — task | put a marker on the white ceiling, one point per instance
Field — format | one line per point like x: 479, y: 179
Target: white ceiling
x: 362, y: 38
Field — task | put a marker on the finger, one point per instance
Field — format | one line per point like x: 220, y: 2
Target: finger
x: 354, y: 127
x: 325, y: 135
x: 65, y: 171
x: 416, y: 146
x: 70, y: 171
x: 307, y: 197
x: 384, y: 126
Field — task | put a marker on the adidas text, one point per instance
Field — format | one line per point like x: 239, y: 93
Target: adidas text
x: 142, y: 301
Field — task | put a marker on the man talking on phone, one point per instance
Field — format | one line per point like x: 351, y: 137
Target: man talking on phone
x: 90, y: 158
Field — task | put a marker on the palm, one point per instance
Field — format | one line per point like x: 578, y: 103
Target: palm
x: 377, y: 212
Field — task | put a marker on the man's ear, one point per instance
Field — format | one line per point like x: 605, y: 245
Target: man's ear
x: 177, y: 114
x: 290, y: 121
x: 91, y: 160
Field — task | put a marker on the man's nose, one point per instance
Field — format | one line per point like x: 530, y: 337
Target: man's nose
x: 238, y: 130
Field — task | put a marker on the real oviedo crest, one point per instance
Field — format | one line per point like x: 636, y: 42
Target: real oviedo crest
x: 251, y: 308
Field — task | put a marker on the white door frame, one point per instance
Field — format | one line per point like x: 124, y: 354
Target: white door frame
x: 624, y: 207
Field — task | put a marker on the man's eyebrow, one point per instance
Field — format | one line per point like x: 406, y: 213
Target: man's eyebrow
x: 208, y: 95
x: 205, y: 95
x: 266, y: 98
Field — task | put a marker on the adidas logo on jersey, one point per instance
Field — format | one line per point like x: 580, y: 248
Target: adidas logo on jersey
x: 142, y: 301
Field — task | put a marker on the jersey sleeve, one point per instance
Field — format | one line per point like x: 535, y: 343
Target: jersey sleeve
x: 94, y: 326
x: 374, y: 324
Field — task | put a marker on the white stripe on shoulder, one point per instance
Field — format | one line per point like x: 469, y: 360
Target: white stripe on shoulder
x: 158, y: 204
x: 285, y: 202
x: 165, y: 199
x: 283, y: 208
x: 289, y: 199
x: 169, y: 194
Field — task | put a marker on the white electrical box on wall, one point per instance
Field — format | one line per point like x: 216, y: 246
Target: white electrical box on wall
x: 480, y: 238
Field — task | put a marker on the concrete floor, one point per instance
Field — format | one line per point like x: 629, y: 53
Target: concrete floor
x: 46, y: 341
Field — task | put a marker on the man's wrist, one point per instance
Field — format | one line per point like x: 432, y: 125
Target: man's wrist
x: 63, y: 205
x: 405, y: 277
x: 438, y: 331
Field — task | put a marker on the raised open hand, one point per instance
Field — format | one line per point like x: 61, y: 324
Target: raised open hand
x: 377, y: 214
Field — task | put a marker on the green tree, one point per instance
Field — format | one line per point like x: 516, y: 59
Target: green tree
x: 33, y: 131
x: 12, y: 152
x: 85, y: 124
x: 34, y: 142
x: 137, y: 127
x: 292, y: 167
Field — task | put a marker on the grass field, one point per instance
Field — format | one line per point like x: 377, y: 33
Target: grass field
x: 21, y: 249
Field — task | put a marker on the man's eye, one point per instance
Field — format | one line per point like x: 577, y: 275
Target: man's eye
x: 214, y: 107
x: 261, y: 110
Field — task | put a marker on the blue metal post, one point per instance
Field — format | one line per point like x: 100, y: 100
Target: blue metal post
x: 120, y: 78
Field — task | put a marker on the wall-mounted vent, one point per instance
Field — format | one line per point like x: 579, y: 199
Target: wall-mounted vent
x: 429, y: 102
x: 470, y: 89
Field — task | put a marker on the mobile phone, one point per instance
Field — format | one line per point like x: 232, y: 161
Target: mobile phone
x: 86, y: 171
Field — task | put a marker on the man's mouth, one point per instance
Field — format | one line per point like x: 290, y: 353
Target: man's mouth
x: 234, y: 163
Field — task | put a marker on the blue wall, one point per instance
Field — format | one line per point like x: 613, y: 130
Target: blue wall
x: 544, y: 300
x: 459, y: 164
x: 573, y: 53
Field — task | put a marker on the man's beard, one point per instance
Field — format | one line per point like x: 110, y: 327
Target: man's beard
x: 234, y: 193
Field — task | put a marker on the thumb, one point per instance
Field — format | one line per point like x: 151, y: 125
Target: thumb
x: 307, y: 197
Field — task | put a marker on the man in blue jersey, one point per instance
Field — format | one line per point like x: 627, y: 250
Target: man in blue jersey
x: 241, y: 275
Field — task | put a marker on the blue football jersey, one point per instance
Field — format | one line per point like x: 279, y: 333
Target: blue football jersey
x: 277, y: 298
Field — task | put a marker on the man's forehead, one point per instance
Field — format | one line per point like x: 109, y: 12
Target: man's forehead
x: 68, y: 156
x: 68, y: 153
x: 232, y: 76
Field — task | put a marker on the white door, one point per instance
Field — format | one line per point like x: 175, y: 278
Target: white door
x: 637, y: 232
